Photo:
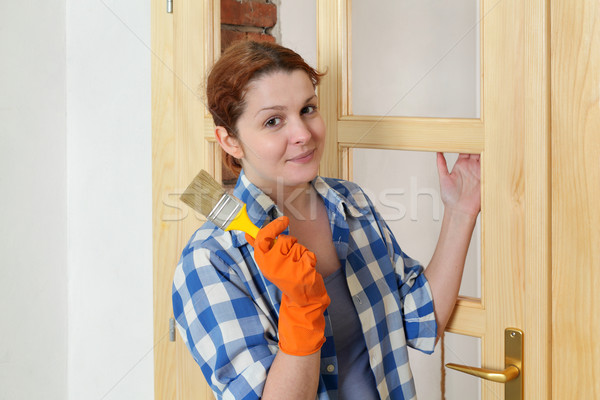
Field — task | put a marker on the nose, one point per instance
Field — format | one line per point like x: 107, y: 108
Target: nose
x: 300, y: 132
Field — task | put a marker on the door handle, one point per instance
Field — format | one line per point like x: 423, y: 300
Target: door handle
x: 512, y: 374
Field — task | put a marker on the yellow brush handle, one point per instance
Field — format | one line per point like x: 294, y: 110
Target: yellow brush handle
x: 241, y: 222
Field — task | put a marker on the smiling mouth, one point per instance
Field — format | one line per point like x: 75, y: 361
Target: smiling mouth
x: 304, y: 157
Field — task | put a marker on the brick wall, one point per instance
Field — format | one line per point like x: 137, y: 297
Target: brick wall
x: 247, y: 19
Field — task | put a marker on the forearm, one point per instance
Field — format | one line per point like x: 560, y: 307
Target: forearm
x: 294, y: 373
x: 293, y: 377
x: 445, y: 270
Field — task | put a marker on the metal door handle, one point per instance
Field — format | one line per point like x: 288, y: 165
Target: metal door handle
x: 513, y: 366
x: 510, y: 373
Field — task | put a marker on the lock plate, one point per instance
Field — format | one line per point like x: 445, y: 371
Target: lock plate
x: 513, y: 355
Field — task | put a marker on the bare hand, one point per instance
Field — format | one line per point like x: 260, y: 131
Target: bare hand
x: 461, y: 189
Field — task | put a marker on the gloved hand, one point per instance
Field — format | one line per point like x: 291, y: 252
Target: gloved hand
x: 291, y: 267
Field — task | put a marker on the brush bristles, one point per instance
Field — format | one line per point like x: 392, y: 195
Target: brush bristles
x: 203, y: 193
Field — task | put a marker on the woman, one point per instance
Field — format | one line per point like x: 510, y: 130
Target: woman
x: 269, y: 318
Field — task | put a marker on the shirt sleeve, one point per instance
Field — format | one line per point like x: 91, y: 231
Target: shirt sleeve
x: 227, y: 334
x: 415, y: 295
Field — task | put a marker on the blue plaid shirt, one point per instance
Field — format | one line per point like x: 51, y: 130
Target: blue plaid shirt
x: 227, y: 311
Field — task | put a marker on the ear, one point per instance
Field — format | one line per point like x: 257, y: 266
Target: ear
x: 230, y: 144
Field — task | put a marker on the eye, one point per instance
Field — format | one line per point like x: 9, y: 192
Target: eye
x: 309, y: 109
x: 273, y: 122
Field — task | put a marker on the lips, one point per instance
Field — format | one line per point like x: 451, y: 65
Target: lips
x: 304, y: 157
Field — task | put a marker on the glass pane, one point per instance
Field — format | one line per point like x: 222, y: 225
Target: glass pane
x: 404, y: 187
x: 415, y: 58
x: 297, y: 24
x: 427, y: 373
x: 465, y: 350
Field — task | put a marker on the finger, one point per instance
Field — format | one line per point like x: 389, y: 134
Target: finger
x: 273, y: 229
x: 442, y: 165
x: 310, y: 257
x: 468, y: 156
x: 266, y: 236
x: 283, y: 245
x: 298, y: 252
x: 473, y: 158
x: 250, y: 239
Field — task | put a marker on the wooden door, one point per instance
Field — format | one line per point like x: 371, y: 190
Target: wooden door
x: 512, y: 134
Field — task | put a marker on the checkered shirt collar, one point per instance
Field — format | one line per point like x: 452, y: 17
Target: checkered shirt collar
x: 262, y: 209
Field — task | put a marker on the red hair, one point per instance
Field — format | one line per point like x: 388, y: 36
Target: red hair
x: 237, y: 67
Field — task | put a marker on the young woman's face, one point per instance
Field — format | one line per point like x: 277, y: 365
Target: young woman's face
x: 281, y: 132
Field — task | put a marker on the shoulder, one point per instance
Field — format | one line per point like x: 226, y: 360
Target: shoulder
x: 209, y: 246
x: 209, y: 236
x: 208, y: 261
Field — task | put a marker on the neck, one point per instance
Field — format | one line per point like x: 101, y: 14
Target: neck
x: 298, y: 202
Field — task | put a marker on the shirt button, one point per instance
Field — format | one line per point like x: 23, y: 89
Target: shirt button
x: 357, y: 299
x: 330, y: 368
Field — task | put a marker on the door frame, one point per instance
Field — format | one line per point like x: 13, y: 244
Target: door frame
x: 183, y: 47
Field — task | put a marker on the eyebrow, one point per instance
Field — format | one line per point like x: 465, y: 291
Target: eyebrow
x: 279, y: 108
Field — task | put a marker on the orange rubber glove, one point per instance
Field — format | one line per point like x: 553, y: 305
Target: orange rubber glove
x: 291, y: 267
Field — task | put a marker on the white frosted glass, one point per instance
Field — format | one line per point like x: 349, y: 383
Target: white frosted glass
x: 297, y: 24
x: 427, y: 372
x: 464, y: 350
x: 415, y: 58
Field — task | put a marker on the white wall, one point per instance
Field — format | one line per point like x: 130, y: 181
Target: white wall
x: 75, y: 238
x: 110, y: 200
x: 33, y: 229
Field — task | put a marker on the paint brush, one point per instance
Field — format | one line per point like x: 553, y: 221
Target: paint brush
x: 205, y: 195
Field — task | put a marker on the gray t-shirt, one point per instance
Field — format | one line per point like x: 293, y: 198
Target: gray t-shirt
x: 355, y: 378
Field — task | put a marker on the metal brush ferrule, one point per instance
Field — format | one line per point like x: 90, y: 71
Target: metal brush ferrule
x: 225, y: 211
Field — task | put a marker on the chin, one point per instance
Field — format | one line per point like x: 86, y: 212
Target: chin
x: 308, y: 173
x: 298, y: 179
